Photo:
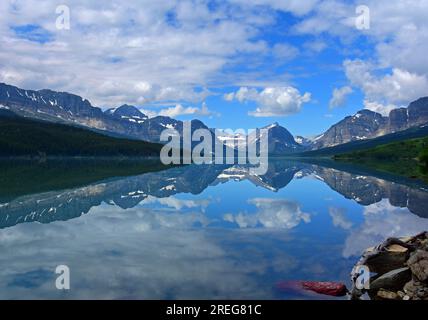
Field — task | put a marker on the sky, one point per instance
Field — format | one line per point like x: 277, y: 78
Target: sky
x: 236, y: 64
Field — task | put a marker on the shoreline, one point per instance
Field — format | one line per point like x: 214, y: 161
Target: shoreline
x: 396, y: 269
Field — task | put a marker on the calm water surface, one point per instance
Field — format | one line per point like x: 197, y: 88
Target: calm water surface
x: 195, y: 232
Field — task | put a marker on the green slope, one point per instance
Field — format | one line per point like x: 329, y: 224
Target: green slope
x: 25, y: 137
x: 406, y: 158
x: 405, y: 150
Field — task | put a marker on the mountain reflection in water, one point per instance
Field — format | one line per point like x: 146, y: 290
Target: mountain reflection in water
x: 196, y: 231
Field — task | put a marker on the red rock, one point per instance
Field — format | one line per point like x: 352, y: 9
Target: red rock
x: 335, y: 289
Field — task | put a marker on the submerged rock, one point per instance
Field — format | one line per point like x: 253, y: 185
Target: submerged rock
x: 336, y: 289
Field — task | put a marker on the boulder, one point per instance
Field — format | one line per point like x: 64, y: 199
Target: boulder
x: 392, y: 280
x: 416, y: 290
x: 385, y: 261
x: 396, y: 248
x: 387, y: 295
x: 418, y: 263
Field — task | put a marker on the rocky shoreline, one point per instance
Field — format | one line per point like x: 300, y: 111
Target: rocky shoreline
x: 398, y: 270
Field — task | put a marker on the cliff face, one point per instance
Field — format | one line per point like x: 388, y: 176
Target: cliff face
x: 67, y: 108
x: 367, y: 124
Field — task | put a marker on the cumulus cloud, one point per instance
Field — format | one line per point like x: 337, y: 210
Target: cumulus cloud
x: 384, y: 92
x: 275, y: 101
x: 397, y: 72
x: 179, y: 110
x: 379, y: 107
x: 128, y: 52
x: 160, y: 52
x: 331, y: 16
x: 339, y: 96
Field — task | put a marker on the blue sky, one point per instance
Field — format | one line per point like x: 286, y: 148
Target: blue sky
x: 232, y: 64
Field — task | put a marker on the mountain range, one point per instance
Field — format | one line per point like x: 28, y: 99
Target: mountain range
x: 28, y: 203
x: 27, y: 137
x: 66, y: 108
x: 366, y: 124
x: 129, y: 122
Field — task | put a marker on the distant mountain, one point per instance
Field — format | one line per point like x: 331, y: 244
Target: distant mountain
x: 367, y: 124
x: 281, y: 141
x: 353, y: 146
x: 127, y: 112
x: 129, y: 122
x: 37, y: 138
x: 230, y: 140
x: 63, y: 107
x: 304, y: 142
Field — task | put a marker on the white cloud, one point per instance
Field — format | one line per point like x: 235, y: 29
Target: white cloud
x: 384, y: 92
x: 284, y: 52
x: 383, y: 109
x: 130, y: 52
x: 339, y: 96
x: 179, y: 110
x: 275, y: 101
x: 229, y: 96
x: 398, y: 71
x: 315, y: 46
x: 331, y: 16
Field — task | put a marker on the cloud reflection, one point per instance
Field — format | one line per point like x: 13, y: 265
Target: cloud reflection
x: 271, y: 213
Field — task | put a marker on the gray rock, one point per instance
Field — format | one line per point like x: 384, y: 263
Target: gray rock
x: 393, y: 280
x: 387, y: 295
x: 385, y: 261
x: 416, y: 290
x: 418, y: 263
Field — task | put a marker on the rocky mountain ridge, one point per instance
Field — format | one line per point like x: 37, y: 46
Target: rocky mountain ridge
x: 130, y: 122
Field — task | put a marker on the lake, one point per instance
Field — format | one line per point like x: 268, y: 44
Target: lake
x: 137, y: 231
